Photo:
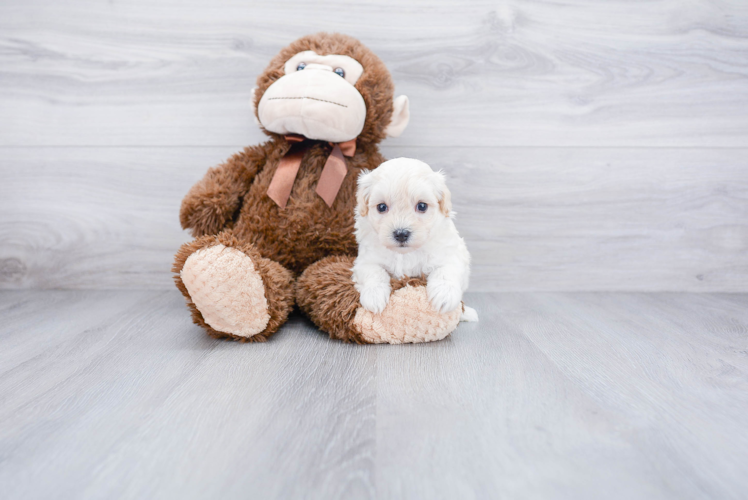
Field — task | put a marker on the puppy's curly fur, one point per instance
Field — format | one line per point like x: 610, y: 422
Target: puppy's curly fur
x: 404, y: 228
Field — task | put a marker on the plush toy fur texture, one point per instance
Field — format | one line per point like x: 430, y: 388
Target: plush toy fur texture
x: 375, y: 84
x: 325, y: 293
x: 229, y: 208
x: 278, y: 281
x: 227, y: 289
x: 408, y: 318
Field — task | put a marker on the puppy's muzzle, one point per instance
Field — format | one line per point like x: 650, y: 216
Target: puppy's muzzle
x: 401, y: 235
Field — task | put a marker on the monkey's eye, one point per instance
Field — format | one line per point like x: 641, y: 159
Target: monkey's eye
x: 301, y: 66
x: 382, y: 208
x: 421, y: 207
x: 340, y: 72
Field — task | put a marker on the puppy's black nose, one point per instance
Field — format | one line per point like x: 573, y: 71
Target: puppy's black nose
x: 401, y: 235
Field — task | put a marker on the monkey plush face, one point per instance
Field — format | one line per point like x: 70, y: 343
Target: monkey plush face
x: 329, y: 87
x: 316, y: 98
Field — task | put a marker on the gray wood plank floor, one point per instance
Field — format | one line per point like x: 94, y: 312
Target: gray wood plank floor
x: 552, y: 395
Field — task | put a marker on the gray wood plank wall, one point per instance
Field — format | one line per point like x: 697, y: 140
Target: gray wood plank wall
x: 589, y: 145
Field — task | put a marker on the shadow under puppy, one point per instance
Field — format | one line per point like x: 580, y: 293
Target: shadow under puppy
x: 405, y: 228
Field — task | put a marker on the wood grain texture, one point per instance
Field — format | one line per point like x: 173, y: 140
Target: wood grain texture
x: 551, y: 395
x: 534, y: 219
x: 516, y: 73
x: 590, y: 146
x: 119, y: 395
x: 600, y: 395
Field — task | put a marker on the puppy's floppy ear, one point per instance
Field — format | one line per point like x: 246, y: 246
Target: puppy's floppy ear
x: 445, y: 203
x: 365, y: 181
x: 442, y: 193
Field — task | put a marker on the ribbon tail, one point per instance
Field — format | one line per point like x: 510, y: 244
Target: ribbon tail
x: 280, y: 186
x: 332, y: 176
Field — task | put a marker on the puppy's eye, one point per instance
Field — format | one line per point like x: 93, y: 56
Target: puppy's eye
x: 301, y: 66
x: 421, y: 207
x: 382, y: 208
x: 340, y: 72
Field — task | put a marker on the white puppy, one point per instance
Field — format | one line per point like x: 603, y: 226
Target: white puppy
x: 404, y: 228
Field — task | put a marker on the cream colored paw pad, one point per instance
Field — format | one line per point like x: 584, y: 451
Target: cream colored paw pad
x: 227, y: 290
x: 408, y: 318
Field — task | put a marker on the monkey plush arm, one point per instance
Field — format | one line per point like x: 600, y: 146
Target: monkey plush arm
x: 210, y: 204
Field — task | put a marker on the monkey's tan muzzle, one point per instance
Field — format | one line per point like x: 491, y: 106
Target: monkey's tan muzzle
x: 315, y: 103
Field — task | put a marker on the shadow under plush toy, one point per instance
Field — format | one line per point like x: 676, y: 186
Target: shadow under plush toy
x: 274, y: 223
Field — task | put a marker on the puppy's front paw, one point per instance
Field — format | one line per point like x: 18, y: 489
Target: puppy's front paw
x: 374, y: 298
x: 444, y: 296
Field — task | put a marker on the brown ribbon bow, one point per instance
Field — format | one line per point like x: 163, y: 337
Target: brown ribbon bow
x: 329, y: 182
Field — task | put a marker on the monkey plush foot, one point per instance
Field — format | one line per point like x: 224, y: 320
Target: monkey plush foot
x: 325, y: 292
x: 227, y: 289
x: 232, y: 291
x: 408, y: 317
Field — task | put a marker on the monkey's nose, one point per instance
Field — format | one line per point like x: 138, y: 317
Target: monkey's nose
x: 401, y: 235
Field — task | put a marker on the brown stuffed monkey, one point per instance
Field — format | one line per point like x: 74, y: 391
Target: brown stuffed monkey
x: 274, y: 223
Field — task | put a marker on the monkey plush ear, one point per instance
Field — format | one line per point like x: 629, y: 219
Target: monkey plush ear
x: 364, y: 191
x: 400, y: 116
